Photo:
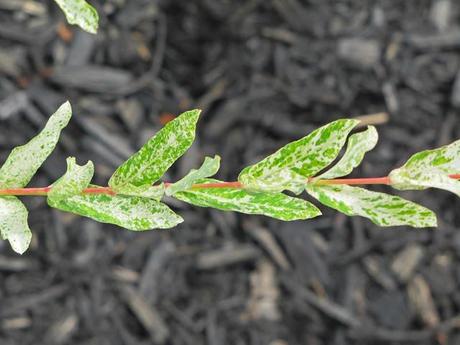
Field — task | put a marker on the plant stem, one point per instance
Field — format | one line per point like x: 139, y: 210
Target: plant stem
x: 236, y: 184
x: 43, y: 191
x: 40, y: 191
x: 356, y: 181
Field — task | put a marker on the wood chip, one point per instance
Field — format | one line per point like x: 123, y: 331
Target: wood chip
x: 406, y: 261
x: 16, y: 323
x: 364, y: 53
x: 263, y: 300
x: 373, y: 119
x: 61, y: 331
x: 440, y: 14
x: 376, y: 271
x: 227, y: 256
x: 422, y: 302
x: 268, y: 242
x: 147, y: 315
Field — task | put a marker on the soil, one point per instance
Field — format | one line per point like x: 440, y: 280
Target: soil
x: 265, y: 73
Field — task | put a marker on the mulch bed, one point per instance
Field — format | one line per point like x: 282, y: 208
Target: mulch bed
x: 265, y: 73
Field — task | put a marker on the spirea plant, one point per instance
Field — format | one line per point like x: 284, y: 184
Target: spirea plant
x: 133, y: 197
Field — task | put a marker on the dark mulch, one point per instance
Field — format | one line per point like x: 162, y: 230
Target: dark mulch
x: 265, y: 73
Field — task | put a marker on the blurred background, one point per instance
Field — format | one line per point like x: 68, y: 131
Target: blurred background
x: 265, y: 73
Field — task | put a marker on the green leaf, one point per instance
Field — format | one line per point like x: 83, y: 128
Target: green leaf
x: 382, y: 209
x: 289, y: 167
x: 24, y: 161
x: 358, y: 145
x: 209, y: 168
x: 13, y: 223
x: 150, y: 163
x: 130, y: 212
x: 430, y: 168
x: 147, y: 191
x: 276, y: 205
x: 73, y: 182
x: 81, y: 13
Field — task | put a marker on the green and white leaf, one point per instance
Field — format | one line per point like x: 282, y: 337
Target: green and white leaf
x: 81, y: 13
x: 289, y: 167
x: 382, y: 209
x: 430, y: 168
x: 24, y: 161
x: 133, y: 213
x: 147, y: 191
x: 209, y: 168
x: 13, y: 223
x: 445, y: 159
x: 410, y: 180
x: 275, y: 205
x: 358, y: 145
x: 74, y: 181
x: 150, y: 163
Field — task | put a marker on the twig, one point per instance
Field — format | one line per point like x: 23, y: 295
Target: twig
x: 43, y: 191
x: 373, y: 119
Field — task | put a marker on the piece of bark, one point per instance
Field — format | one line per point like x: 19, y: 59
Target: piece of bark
x: 147, y: 315
x: 364, y: 53
x: 406, y: 261
x: 422, y: 302
x: 263, y: 300
x: 227, y: 256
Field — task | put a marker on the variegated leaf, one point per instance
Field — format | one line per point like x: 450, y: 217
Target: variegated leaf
x: 81, y: 13
x: 133, y: 213
x: 289, y: 167
x: 358, y: 145
x: 209, y: 168
x: 74, y: 181
x: 430, y: 168
x: 24, y: 161
x: 276, y: 205
x: 150, y: 163
x: 13, y: 223
x: 445, y: 159
x: 382, y: 209
x: 410, y: 180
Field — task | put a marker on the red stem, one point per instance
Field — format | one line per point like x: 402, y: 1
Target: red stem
x: 43, y: 191
x: 357, y: 181
x: 236, y: 184
x: 99, y: 190
x: 26, y: 191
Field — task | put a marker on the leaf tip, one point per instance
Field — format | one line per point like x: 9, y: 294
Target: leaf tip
x: 179, y: 219
x: 194, y: 114
x: 64, y: 113
x: 20, y: 241
x: 66, y: 106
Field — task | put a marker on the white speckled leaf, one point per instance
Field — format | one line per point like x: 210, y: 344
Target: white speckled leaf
x: 358, y: 145
x: 76, y: 178
x: 81, y: 13
x: 430, y: 168
x: 133, y: 213
x: 289, y: 167
x: 150, y: 163
x: 445, y: 159
x: 382, y: 209
x: 209, y: 168
x: 146, y: 191
x: 276, y: 205
x: 13, y: 223
x: 24, y: 161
